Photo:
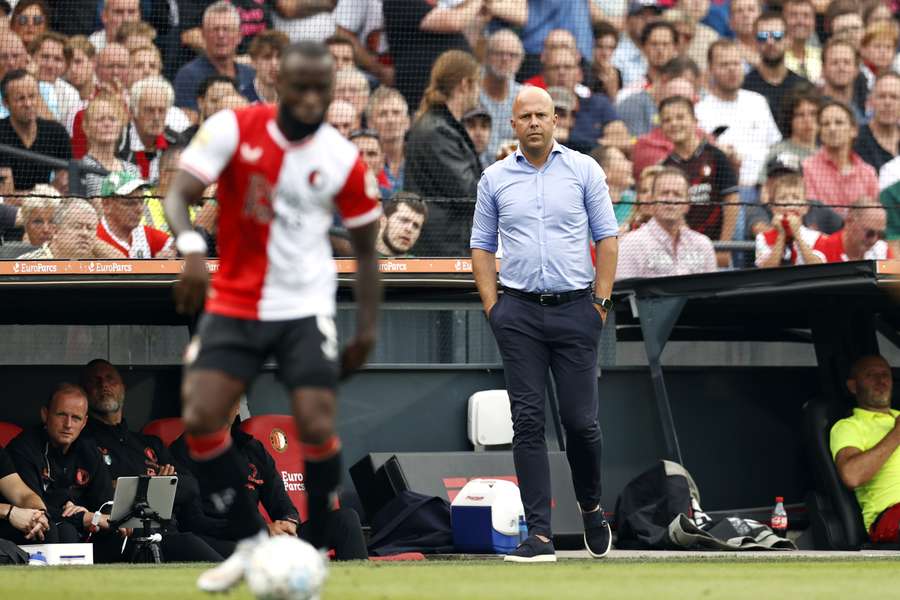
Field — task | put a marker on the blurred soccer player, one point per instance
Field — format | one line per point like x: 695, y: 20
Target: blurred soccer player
x: 282, y: 171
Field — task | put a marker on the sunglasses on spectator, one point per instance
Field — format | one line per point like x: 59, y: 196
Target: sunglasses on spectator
x: 35, y: 19
x: 763, y: 36
x: 875, y: 234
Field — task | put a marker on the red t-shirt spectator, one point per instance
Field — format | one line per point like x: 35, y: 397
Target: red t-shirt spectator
x: 145, y: 242
x: 832, y: 247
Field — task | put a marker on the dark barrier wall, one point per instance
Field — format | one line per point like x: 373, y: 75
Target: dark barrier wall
x: 739, y: 429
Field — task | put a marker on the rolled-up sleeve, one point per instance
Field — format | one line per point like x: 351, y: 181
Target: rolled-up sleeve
x: 601, y: 216
x: 484, y: 223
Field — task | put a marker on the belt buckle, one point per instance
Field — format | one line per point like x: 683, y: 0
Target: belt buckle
x: 547, y: 300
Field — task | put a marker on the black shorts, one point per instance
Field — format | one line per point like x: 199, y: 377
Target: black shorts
x: 305, y: 350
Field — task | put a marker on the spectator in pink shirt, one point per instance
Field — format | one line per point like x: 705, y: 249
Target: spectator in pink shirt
x: 665, y: 245
x: 836, y: 175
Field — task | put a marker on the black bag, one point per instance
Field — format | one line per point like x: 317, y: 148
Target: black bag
x: 650, y: 502
x: 412, y: 522
x: 10, y: 554
x: 660, y: 510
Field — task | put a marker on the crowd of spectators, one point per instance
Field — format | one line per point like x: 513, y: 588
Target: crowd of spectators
x: 736, y: 95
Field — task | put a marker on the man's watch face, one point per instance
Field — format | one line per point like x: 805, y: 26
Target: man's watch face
x: 604, y: 303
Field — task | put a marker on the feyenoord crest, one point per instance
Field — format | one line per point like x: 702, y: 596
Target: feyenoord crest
x: 82, y: 477
x: 316, y: 179
x: 278, y: 440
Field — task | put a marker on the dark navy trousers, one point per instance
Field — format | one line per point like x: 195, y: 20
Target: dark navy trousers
x: 564, y: 338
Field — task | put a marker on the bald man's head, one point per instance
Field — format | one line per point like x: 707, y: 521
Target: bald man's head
x: 504, y: 54
x: 871, y: 381
x: 534, y: 121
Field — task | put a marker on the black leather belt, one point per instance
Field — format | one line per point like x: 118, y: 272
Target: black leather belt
x: 547, y: 299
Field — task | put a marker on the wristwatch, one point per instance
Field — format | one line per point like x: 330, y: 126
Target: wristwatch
x: 604, y: 303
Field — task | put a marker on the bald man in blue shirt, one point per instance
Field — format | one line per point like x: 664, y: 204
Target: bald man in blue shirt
x: 548, y: 204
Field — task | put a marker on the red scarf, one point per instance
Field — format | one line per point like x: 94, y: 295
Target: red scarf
x: 142, y: 160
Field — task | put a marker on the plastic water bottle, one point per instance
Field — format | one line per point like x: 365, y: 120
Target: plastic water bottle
x: 779, y: 521
x: 523, y: 529
x: 37, y: 559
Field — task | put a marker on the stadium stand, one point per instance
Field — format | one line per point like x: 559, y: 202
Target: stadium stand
x: 609, y: 71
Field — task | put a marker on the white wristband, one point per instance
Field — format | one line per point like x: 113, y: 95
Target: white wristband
x: 190, y: 242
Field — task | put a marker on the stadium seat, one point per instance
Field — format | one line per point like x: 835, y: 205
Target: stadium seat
x: 168, y: 429
x: 278, y: 435
x: 8, y: 432
x: 490, y: 420
x: 835, y: 517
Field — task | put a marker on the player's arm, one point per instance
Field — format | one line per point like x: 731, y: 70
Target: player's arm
x: 201, y: 163
x: 190, y: 290
x: 360, y: 208
x: 367, y: 289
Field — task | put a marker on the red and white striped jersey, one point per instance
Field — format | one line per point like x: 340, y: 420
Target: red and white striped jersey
x: 276, y: 203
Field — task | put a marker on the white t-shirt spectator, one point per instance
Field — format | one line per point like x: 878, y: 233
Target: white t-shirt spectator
x: 751, y: 129
x: 364, y: 18
x: 889, y: 174
x: 98, y: 40
x: 67, y: 99
x: 316, y: 28
x: 612, y: 8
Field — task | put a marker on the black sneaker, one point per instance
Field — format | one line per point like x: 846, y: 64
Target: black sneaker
x: 597, y: 534
x: 532, y: 550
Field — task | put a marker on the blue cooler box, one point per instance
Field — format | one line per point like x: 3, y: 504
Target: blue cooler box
x: 485, y: 517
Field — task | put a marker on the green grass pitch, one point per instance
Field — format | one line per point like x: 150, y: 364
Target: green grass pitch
x: 489, y: 580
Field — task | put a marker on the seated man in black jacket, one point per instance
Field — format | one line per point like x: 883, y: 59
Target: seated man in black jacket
x: 62, y: 468
x: 23, y: 515
x: 343, y: 533
x: 127, y: 454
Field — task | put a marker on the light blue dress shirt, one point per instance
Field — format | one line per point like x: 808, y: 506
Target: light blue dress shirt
x: 546, y: 219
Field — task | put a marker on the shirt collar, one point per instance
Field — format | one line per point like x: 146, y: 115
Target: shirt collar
x: 873, y: 414
x: 656, y: 230
x: 555, y: 149
x: 826, y: 158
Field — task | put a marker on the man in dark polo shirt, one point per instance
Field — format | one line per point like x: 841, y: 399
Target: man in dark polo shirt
x: 65, y: 470
x: 772, y: 78
x: 24, y: 129
x: 714, y: 186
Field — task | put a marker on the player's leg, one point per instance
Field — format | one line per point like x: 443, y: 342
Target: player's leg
x: 222, y: 359
x: 314, y: 410
x: 307, y: 363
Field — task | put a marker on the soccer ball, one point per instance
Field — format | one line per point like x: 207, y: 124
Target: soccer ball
x: 285, y: 567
